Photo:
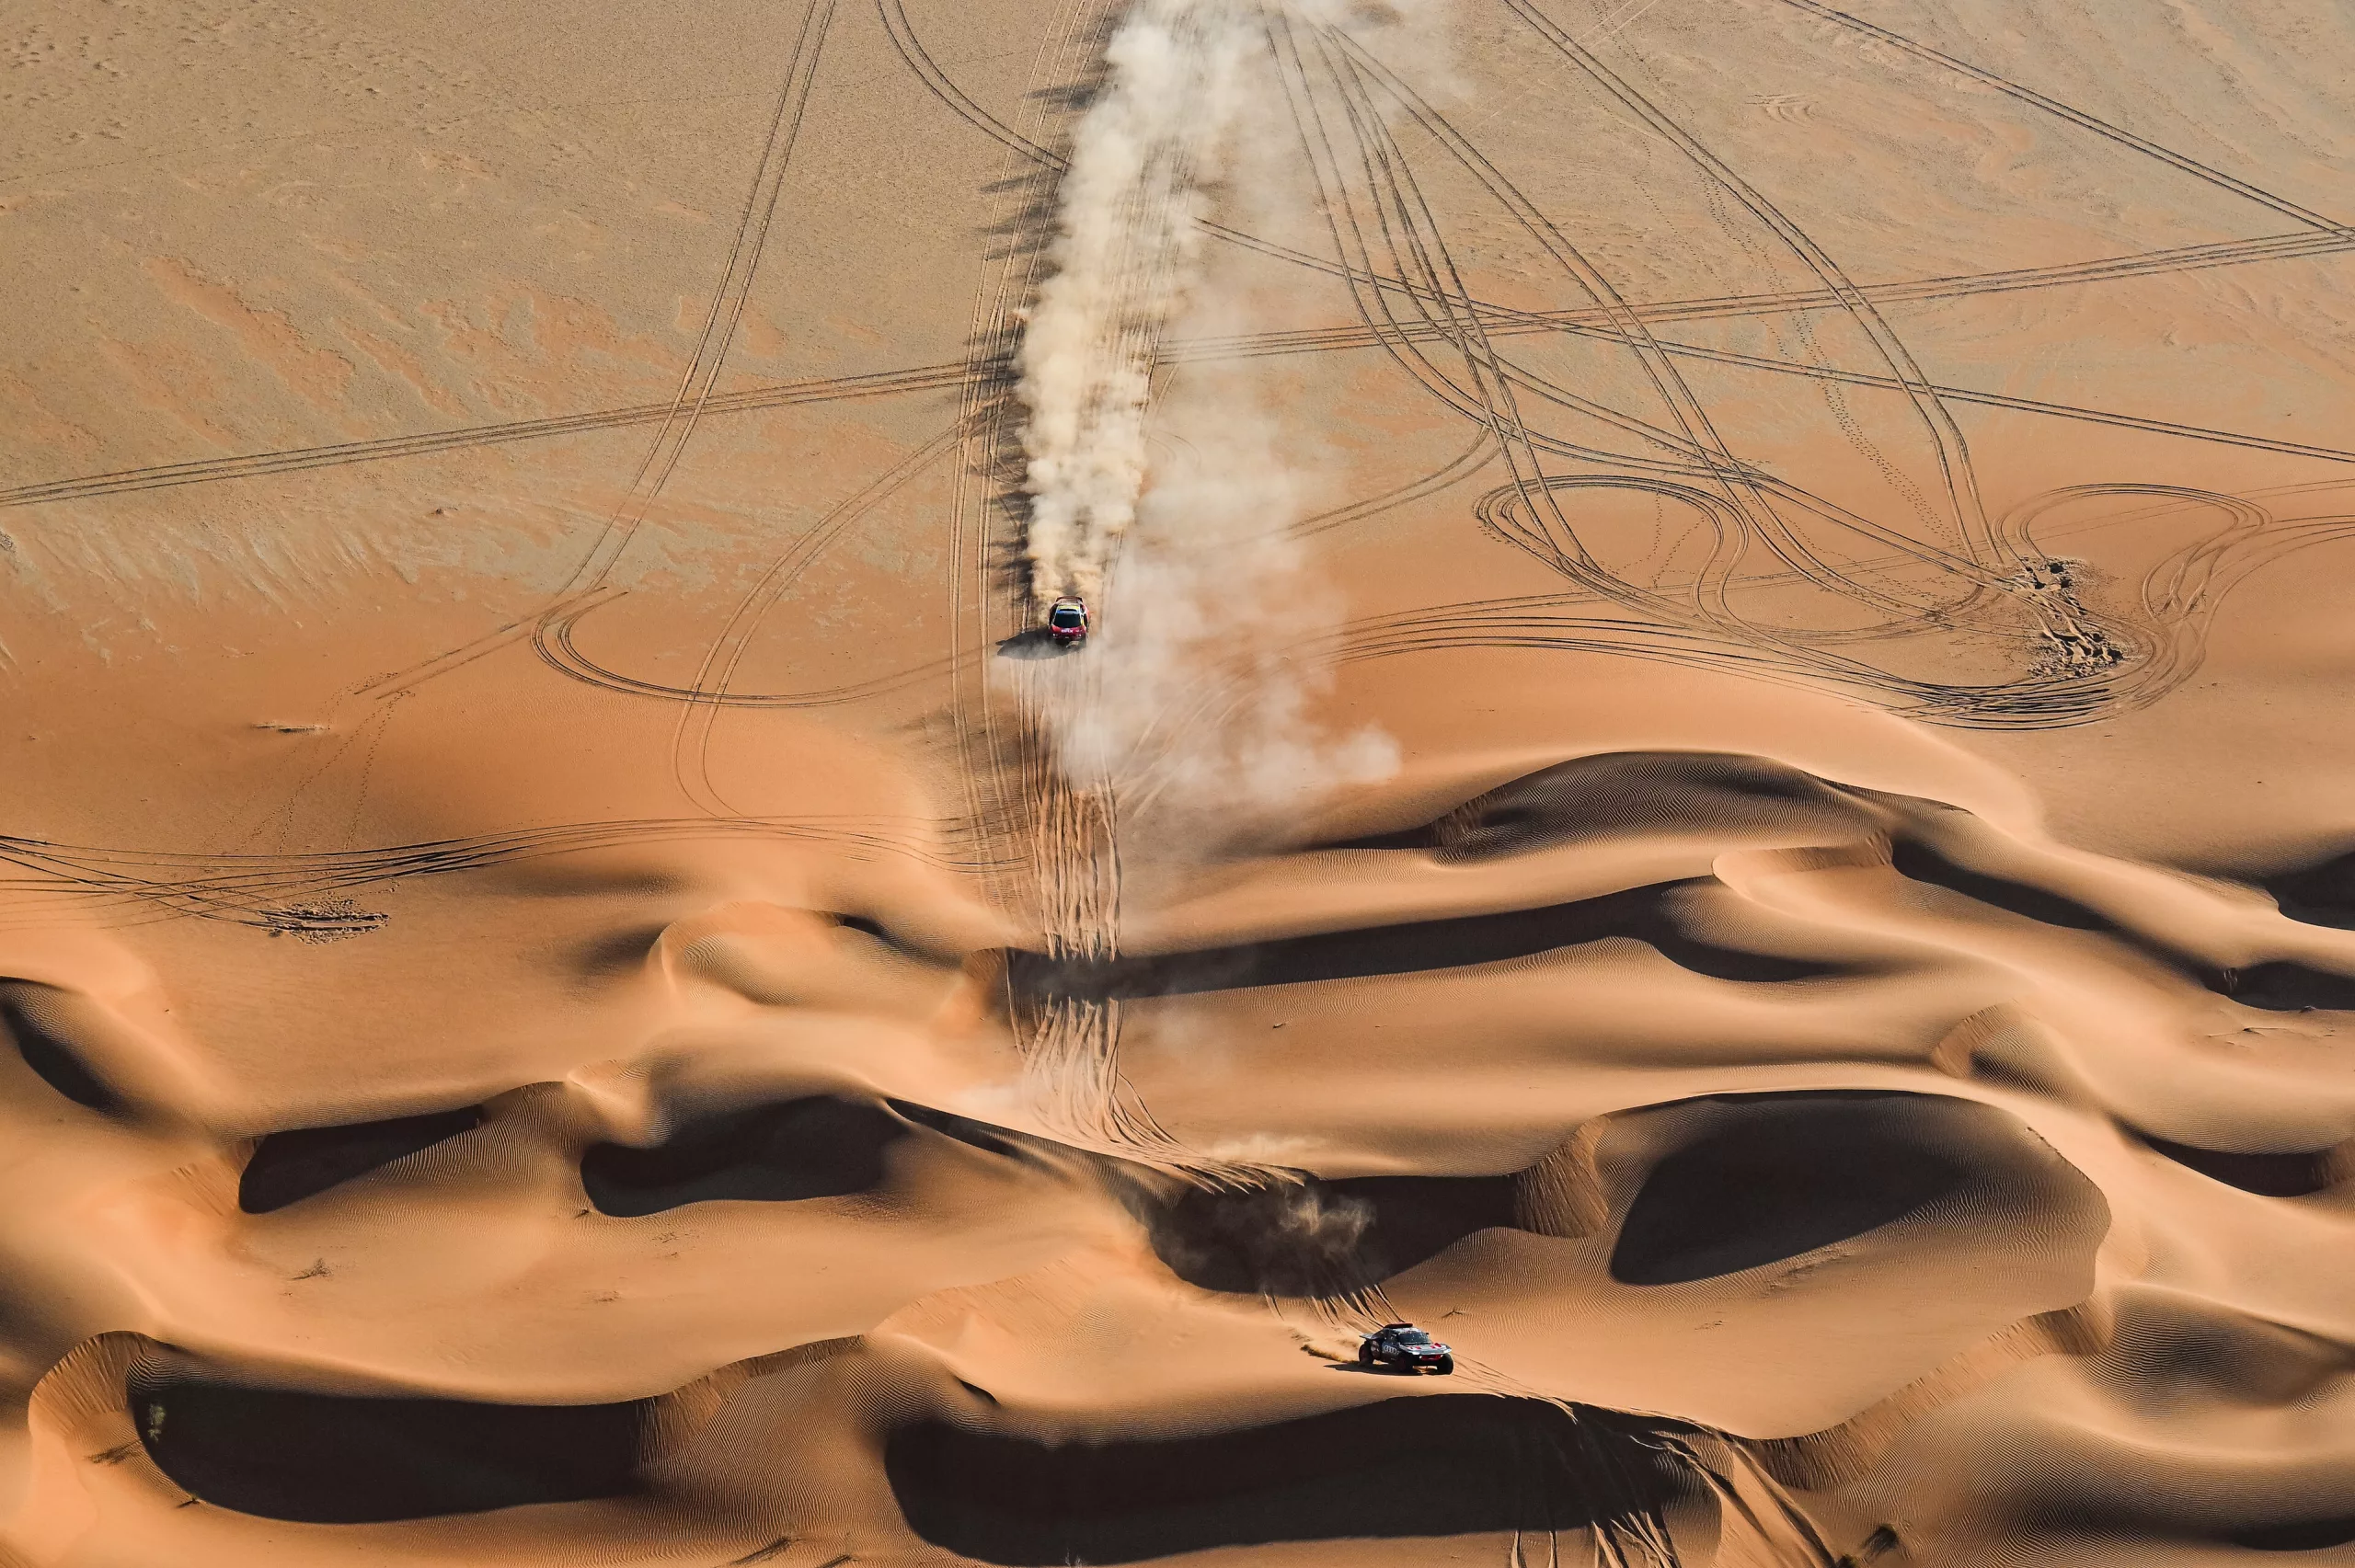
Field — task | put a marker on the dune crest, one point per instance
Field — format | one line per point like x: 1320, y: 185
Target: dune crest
x: 1706, y: 765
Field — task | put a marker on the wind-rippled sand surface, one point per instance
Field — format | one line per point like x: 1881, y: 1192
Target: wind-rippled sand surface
x: 1714, y: 767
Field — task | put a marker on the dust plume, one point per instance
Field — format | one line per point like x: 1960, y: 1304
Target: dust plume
x: 1710, y: 766
x: 1144, y: 159
x: 1183, y: 476
x: 1124, y: 252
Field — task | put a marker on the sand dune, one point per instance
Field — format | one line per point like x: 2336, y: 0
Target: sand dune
x: 1710, y: 765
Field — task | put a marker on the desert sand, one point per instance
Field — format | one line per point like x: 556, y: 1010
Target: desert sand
x: 1712, y: 764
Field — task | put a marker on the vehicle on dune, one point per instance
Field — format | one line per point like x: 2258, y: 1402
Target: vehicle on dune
x: 1406, y: 1347
x: 1067, y: 622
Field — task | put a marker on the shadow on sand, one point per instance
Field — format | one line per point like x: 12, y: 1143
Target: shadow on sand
x: 1442, y: 1465
x: 1036, y: 643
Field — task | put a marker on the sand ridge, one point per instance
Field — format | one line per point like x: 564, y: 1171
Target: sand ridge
x: 1708, y: 766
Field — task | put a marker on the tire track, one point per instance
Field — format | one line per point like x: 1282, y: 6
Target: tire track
x: 1063, y: 836
x: 726, y: 313
x: 2082, y: 684
x: 1539, y: 525
x: 989, y: 421
x: 556, y: 642
x: 2076, y: 117
x: 1524, y: 511
x: 1737, y: 483
x: 1483, y: 396
x: 1462, y: 467
x: 787, y: 395
x: 2178, y: 597
x: 277, y: 892
x: 715, y: 682
x: 1953, y: 450
x: 2078, y: 649
x: 677, y: 423
x: 1333, y: 339
x: 1748, y: 490
x: 553, y: 633
x: 1502, y: 322
x: 2176, y: 258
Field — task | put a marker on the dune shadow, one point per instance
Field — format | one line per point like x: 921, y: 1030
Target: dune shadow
x: 2318, y: 894
x: 2295, y: 1173
x: 31, y: 1014
x: 304, y: 1162
x: 2297, y: 1535
x: 1641, y: 914
x: 1319, y: 1238
x: 336, y: 1459
x: 2285, y: 987
x: 1778, y: 1181
x: 1749, y: 1180
x: 1624, y: 792
x: 1735, y: 1182
x: 816, y: 1147
x: 1920, y: 863
x: 2279, y: 986
x: 1437, y: 1465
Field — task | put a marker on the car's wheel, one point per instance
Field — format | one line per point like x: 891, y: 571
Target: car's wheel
x: 1446, y: 1364
x: 1365, y: 1356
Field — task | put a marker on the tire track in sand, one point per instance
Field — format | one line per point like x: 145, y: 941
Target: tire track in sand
x: 1503, y: 321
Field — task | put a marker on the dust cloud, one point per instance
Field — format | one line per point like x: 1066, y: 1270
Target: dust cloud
x: 579, y: 984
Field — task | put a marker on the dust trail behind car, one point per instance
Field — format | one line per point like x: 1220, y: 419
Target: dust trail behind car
x: 1124, y: 254
x: 1157, y: 144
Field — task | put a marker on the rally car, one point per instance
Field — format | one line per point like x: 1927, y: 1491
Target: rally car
x: 1067, y: 622
x: 1406, y: 1347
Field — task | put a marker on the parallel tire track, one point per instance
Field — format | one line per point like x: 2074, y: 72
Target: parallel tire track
x: 930, y: 378
x: 729, y: 300
x: 256, y: 889
x: 252, y: 465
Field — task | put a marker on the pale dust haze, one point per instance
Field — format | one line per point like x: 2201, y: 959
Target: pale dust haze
x: 1711, y: 765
